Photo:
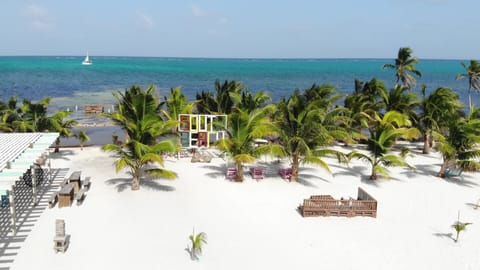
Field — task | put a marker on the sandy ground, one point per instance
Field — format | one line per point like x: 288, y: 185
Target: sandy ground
x: 250, y: 225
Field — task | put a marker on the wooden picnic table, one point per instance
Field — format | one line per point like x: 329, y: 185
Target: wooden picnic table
x: 65, y: 196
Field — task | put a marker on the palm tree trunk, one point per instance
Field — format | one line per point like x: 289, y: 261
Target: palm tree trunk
x: 443, y: 168
x: 57, y: 145
x: 470, y: 98
x: 239, y: 172
x: 136, y: 179
x: 426, y: 142
x: 295, y: 166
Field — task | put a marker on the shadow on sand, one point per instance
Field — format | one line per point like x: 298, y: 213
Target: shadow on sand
x: 121, y: 184
x: 27, y: 215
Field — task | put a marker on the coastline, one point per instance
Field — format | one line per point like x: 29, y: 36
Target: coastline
x: 254, y: 224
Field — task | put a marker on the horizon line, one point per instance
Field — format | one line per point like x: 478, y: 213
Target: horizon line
x: 234, y: 58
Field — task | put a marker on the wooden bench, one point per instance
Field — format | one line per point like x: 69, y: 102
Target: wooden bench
x: 87, y: 183
x: 64, y: 183
x: 80, y: 196
x: 53, y: 200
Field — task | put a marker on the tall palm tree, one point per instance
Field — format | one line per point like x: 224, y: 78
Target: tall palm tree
x: 459, y: 145
x: 306, y: 128
x: 404, y: 65
x: 176, y: 103
x: 473, y: 74
x: 402, y: 101
x: 435, y: 112
x: 222, y: 102
x: 383, y: 135
x: 244, y: 128
x: 248, y: 101
x: 138, y: 114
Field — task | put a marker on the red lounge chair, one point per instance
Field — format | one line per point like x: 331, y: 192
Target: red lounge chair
x: 257, y: 172
x: 285, y: 173
x: 231, y: 173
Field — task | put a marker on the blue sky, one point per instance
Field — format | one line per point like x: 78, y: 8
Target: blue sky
x: 444, y: 29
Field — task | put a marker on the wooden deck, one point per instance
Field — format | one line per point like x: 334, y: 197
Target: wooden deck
x: 325, y: 205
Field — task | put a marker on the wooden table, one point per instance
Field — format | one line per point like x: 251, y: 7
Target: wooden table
x: 75, y: 179
x: 65, y: 196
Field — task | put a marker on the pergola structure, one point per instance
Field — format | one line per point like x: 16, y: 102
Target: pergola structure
x: 201, y: 130
x: 18, y: 153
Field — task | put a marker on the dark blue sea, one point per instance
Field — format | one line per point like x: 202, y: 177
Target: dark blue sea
x: 72, y: 85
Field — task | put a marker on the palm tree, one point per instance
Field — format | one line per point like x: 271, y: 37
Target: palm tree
x: 222, y: 102
x: 244, y: 128
x: 402, y: 101
x: 58, y: 123
x: 459, y: 144
x: 435, y: 112
x: 248, y: 101
x: 473, y: 74
x: 138, y: 114
x: 404, y: 65
x: 306, y: 127
x: 384, y: 133
x: 82, y: 137
x: 176, y: 104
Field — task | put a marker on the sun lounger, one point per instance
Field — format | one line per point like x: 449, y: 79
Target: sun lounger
x: 87, y: 183
x: 285, y: 173
x: 454, y: 172
x: 231, y: 173
x: 80, y: 196
x: 257, y: 172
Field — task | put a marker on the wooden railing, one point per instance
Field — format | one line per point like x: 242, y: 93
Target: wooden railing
x: 325, y: 205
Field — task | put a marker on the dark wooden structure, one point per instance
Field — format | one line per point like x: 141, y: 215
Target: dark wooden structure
x: 65, y: 196
x: 93, y: 109
x: 326, y: 205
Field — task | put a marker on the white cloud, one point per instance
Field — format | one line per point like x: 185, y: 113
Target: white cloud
x: 146, y: 21
x: 38, y: 18
x: 198, y: 12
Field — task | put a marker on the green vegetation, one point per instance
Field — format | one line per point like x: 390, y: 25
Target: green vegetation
x: 82, y: 137
x: 197, y: 241
x: 459, y: 227
x: 303, y: 126
x: 139, y: 115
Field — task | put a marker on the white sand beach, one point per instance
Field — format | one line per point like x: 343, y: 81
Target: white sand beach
x: 254, y: 224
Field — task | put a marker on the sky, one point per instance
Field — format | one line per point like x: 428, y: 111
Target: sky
x: 438, y: 29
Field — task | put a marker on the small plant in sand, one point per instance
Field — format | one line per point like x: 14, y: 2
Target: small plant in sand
x: 459, y: 226
x: 83, y: 137
x: 196, y: 241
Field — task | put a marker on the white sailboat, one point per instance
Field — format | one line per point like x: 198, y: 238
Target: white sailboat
x: 87, y: 60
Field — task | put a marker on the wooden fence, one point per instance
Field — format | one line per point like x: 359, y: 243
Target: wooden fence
x: 326, y: 205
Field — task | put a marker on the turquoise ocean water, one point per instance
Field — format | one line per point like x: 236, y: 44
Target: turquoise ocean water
x: 72, y: 85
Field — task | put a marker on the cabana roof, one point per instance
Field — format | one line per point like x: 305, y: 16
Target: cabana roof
x: 19, y: 150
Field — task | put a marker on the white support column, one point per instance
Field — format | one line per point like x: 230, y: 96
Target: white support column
x: 13, y: 213
x: 34, y: 185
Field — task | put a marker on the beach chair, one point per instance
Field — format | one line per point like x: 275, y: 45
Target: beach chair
x: 80, y: 196
x: 257, y: 172
x: 285, y: 173
x: 87, y: 183
x: 60, y: 241
x: 454, y: 172
x: 231, y: 173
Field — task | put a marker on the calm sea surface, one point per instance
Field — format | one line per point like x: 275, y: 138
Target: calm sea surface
x: 72, y: 85
x: 69, y: 83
